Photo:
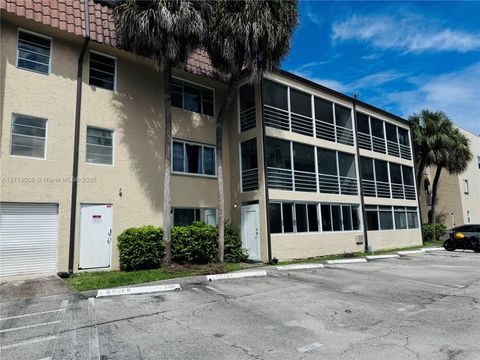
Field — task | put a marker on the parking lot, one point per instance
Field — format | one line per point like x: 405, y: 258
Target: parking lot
x: 414, y: 307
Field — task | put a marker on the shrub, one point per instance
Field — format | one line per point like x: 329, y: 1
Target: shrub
x: 141, y: 248
x: 233, y: 244
x: 194, y: 244
x: 432, y: 232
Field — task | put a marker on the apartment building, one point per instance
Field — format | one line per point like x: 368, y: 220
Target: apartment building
x: 308, y: 171
x: 458, y: 195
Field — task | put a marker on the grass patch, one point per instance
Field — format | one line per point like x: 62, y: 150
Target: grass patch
x: 107, y: 279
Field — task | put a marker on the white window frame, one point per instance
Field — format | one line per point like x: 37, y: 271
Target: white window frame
x: 11, y: 137
x: 466, y: 187
x: 113, y: 144
x: 19, y: 29
x: 469, y: 217
x: 201, y: 100
x: 114, y: 75
x: 202, y: 145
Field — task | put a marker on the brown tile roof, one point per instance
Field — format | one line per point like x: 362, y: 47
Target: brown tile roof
x: 68, y: 15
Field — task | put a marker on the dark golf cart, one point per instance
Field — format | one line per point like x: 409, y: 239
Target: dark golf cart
x: 464, y: 237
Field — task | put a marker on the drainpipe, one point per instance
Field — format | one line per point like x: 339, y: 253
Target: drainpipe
x: 267, y: 196
x: 76, y: 140
x: 362, y: 200
x: 417, y: 186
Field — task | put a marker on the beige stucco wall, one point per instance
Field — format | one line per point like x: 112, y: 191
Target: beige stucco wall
x: 134, y: 111
x: 390, y: 239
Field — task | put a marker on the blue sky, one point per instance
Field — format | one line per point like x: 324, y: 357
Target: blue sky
x: 399, y: 56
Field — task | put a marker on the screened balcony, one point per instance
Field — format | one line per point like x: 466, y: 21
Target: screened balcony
x: 247, y: 109
x: 249, y: 171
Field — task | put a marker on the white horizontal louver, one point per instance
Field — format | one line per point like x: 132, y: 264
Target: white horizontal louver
x: 28, y: 238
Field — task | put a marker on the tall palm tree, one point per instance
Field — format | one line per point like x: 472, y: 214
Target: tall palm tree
x: 166, y: 32
x: 252, y: 36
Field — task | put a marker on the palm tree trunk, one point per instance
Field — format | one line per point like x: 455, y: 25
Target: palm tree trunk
x: 227, y: 102
x: 420, y: 169
x: 431, y: 217
x: 167, y: 201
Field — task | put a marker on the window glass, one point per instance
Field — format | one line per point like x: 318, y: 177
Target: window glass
x: 301, y: 217
x: 193, y: 154
x: 372, y: 218
x: 391, y: 132
x: 347, y: 218
x: 207, y: 101
x: 346, y: 165
x: 191, y: 98
x: 362, y: 123
x: 465, y: 228
x: 407, y: 175
x: 367, y: 168
x: 278, y: 153
x: 303, y: 157
x: 287, y: 218
x: 343, y: 116
x: 327, y: 161
x: 275, y: 94
x: 377, y: 127
x: 355, y: 219
x: 28, y: 136
x: 323, y: 110
x: 336, y: 218
x: 312, y: 217
x: 381, y: 171
x: 326, y: 218
x: 210, y: 217
x: 33, y: 52
x: 247, y: 97
x: 177, y: 93
x: 403, y: 136
x: 275, y: 215
x: 395, y: 173
x: 102, y: 71
x: 300, y: 103
x: 249, y: 154
x: 209, y: 160
x: 185, y: 217
x: 99, y: 146
x: 412, y: 218
x: 386, y: 218
x: 178, y: 156
x: 400, y: 218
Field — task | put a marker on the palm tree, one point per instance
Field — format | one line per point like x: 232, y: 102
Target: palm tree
x: 165, y: 32
x: 250, y: 36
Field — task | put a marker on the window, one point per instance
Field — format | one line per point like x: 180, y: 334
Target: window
x: 275, y: 218
x: 275, y: 94
x: 339, y: 217
x: 412, y: 218
x: 300, y: 103
x: 391, y: 131
x: 469, y: 217
x: 327, y: 162
x: 249, y: 173
x: 102, y: 71
x: 33, y: 52
x: 395, y: 173
x: 465, y: 186
x: 303, y: 157
x: 407, y: 175
x: 247, y: 107
x: 377, y: 127
x: 326, y: 218
x: 343, y: 116
x: 28, y: 136
x: 99, y: 146
x: 301, y: 217
x: 312, y: 217
x: 478, y: 161
x: 367, y: 168
x: 278, y: 153
x: 210, y: 217
x: 185, y: 217
x: 403, y: 137
x: 363, y: 123
x: 347, y: 218
x: 400, y: 218
x: 385, y: 217
x: 193, y: 158
x: 346, y: 165
x: 287, y: 217
x: 371, y: 213
x: 192, y: 97
x: 323, y: 110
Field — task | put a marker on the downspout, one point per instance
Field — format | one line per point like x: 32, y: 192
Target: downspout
x: 417, y: 186
x: 76, y: 140
x: 359, y: 164
x: 267, y: 196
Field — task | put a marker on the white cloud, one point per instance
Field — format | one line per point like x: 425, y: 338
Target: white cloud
x: 405, y: 32
x: 457, y: 94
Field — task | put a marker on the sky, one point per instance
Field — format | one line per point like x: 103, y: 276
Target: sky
x: 399, y: 56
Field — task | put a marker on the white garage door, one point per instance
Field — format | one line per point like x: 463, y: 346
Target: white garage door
x: 28, y: 238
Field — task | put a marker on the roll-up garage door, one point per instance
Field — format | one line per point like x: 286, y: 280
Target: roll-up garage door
x: 28, y: 238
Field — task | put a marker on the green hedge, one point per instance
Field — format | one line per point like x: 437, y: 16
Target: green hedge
x: 143, y: 248
x: 432, y: 232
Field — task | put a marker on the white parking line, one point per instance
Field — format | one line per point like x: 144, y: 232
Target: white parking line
x: 31, y: 314
x: 52, y: 344
x: 309, y: 348
x: 28, y: 342
x: 93, y: 331
x: 30, y: 326
x: 300, y: 267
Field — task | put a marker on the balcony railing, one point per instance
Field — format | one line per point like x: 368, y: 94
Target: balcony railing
x: 302, y: 124
x: 373, y: 143
x: 344, y: 135
x: 364, y: 141
x: 410, y: 192
x: 328, y: 184
x: 304, y: 181
x: 405, y: 152
x: 325, y: 130
x: 379, y: 145
x: 348, y: 185
x: 248, y: 119
x: 397, y: 191
x: 280, y: 179
x: 368, y: 187
x: 250, y: 180
x: 393, y: 148
x: 383, y: 189
x: 276, y: 118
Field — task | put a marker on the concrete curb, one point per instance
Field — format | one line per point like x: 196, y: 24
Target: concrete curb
x: 386, y: 256
x: 137, y: 290
x: 236, y: 275
x: 411, y: 252
x: 300, y: 266
x: 347, y: 261
x: 434, y: 249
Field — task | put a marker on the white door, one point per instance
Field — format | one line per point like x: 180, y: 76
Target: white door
x: 95, y: 236
x: 210, y: 216
x: 250, y: 231
x: 28, y: 238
